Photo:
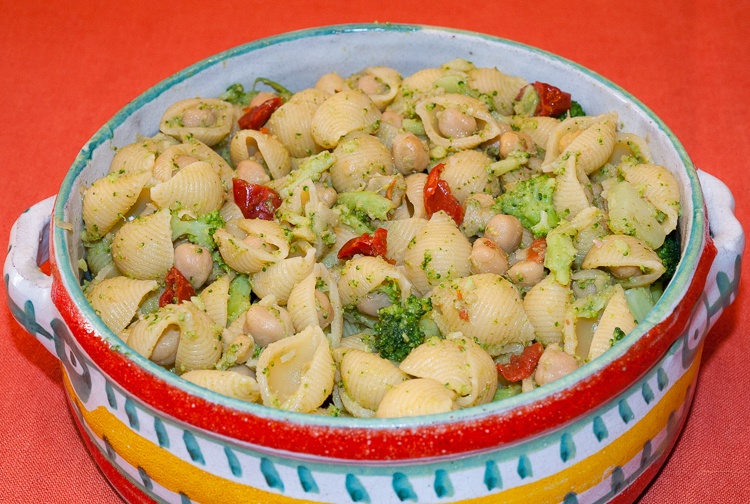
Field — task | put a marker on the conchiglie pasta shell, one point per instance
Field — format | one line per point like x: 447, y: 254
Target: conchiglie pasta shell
x: 297, y: 373
x: 616, y: 251
x: 116, y: 300
x: 503, y: 88
x: 302, y: 303
x: 196, y: 188
x: 567, y: 127
x: 274, y: 153
x: 390, y: 79
x: 459, y: 363
x: 359, y: 157
x: 215, y: 297
x: 367, y: 377
x: 594, y: 145
x: 364, y: 274
x: 172, y: 158
x: 466, y: 174
x: 437, y: 253
x: 428, y: 108
x: 422, y: 81
x: 133, y: 158
x: 660, y: 188
x: 279, y: 278
x: 569, y: 198
x: 341, y: 114
x: 539, y: 128
x: 486, y: 307
x: 616, y: 315
x: 291, y: 123
x: 400, y: 233
x: 228, y: 383
x: 630, y: 144
x: 221, y: 112
x: 108, y: 199
x: 420, y: 396
x: 200, y: 347
x: 545, y: 306
x: 142, y: 248
x: 244, y: 258
x: 415, y: 193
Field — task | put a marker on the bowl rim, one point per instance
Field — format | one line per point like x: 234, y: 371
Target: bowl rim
x: 692, y: 245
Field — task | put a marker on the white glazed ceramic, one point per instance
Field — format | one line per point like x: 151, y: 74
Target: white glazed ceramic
x: 597, y: 435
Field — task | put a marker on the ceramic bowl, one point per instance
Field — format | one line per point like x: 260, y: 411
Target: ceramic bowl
x: 599, y: 434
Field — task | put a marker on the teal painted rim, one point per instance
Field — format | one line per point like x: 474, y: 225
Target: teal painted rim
x: 692, y: 243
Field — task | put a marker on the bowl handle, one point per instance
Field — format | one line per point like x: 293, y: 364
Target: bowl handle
x: 726, y: 231
x: 29, y: 288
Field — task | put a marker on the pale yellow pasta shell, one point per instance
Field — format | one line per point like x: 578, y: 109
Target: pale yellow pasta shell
x: 359, y: 157
x: 142, y: 248
x: 486, y: 307
x: 429, y: 109
x: 200, y: 346
x: 341, y: 114
x: 595, y: 144
x: 389, y: 80
x: 303, y: 304
x: 616, y: 315
x: 297, y: 373
x: 133, y: 158
x: 108, y: 199
x: 181, y: 155
x: 228, y: 383
x: 466, y: 174
x: 660, y: 188
x: 415, y: 193
x: 570, y: 198
x: 208, y: 120
x: 437, y: 253
x: 539, y: 128
x: 364, y: 274
x: 459, y: 363
x: 279, y: 278
x: 400, y: 233
x: 275, y: 155
x: 503, y: 88
x: 420, y: 396
x: 215, y: 297
x: 243, y: 257
x: 566, y: 129
x: 367, y: 377
x: 630, y: 144
x: 116, y: 300
x: 291, y: 124
x: 622, y: 251
x: 196, y: 189
x: 545, y: 306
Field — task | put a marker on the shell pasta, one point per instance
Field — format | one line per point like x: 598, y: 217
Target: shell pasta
x: 380, y: 245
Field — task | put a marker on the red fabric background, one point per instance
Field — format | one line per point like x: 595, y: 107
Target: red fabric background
x: 67, y: 66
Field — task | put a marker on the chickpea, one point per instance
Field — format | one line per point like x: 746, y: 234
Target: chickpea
x: 487, y: 257
x: 410, y: 155
x: 196, y: 117
x: 622, y: 272
x: 526, y: 273
x: 261, y: 98
x: 554, y: 364
x: 506, y: 231
x: 267, y: 324
x: 512, y: 141
x: 324, y: 309
x: 252, y: 171
x: 393, y: 118
x: 370, y: 85
x: 165, y: 350
x: 194, y: 262
x: 326, y: 194
x: 330, y: 83
x: 372, y: 302
x: 453, y: 123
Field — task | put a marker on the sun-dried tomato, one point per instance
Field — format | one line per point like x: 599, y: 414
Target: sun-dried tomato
x: 256, y: 201
x: 521, y: 366
x: 438, y: 196
x: 552, y: 100
x: 178, y: 288
x: 367, y: 244
x: 255, y: 117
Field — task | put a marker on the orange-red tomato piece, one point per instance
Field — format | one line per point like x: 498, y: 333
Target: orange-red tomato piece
x: 552, y: 100
x: 256, y: 201
x: 521, y: 366
x: 255, y: 117
x: 366, y: 244
x: 178, y: 288
x: 438, y: 196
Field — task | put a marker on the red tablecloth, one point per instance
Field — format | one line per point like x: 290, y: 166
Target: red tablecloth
x: 68, y: 66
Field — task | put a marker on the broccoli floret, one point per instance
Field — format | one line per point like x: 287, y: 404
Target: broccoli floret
x: 575, y: 111
x: 357, y: 220
x: 617, y: 336
x: 531, y: 202
x: 236, y: 95
x: 239, y: 297
x: 310, y: 169
x: 399, y: 329
x: 372, y: 204
x: 199, y: 231
x: 669, y: 253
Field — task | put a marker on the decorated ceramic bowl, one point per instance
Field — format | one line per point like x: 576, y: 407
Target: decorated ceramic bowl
x: 597, y: 435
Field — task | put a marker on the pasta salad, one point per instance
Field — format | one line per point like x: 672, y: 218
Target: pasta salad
x: 380, y: 245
